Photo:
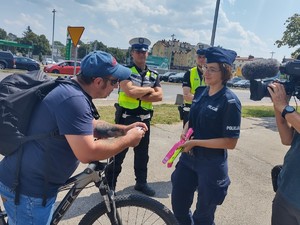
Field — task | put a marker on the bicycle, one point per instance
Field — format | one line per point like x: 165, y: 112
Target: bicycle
x: 114, y: 209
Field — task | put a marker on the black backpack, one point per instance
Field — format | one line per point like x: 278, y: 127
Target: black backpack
x: 19, y: 94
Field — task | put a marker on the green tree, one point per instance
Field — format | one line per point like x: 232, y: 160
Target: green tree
x: 3, y: 34
x: 11, y: 37
x: 118, y: 54
x: 291, y: 36
x: 61, y: 48
x: 40, y: 42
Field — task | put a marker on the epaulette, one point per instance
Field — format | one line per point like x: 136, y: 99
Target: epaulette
x: 153, y: 71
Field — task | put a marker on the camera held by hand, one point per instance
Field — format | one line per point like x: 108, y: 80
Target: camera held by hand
x: 263, y: 72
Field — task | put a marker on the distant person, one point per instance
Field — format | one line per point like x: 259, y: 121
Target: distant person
x: 192, y: 79
x: 215, y: 117
x: 47, y: 163
x: 286, y: 204
x: 136, y: 95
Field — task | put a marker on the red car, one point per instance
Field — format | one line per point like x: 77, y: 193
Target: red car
x: 65, y: 67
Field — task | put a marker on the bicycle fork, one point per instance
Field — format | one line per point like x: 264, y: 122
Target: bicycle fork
x: 109, y: 200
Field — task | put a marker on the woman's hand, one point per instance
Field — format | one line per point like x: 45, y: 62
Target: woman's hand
x: 188, y: 145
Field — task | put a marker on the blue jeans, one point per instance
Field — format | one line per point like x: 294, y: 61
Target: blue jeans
x: 29, y: 211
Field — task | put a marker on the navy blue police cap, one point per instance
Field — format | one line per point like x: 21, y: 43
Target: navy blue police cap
x: 140, y: 44
x: 201, y: 51
x: 220, y: 55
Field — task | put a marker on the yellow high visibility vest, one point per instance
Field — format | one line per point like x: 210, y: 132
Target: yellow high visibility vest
x: 137, y: 80
x: 195, y: 81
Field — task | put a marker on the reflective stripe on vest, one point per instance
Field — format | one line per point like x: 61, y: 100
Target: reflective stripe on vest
x: 195, y: 81
x: 137, y: 80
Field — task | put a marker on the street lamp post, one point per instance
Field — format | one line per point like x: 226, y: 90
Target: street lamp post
x: 272, y: 53
x: 53, y: 11
x: 171, y: 50
x: 215, y: 24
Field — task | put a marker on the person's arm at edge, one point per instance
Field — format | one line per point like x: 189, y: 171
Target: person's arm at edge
x: 186, y: 87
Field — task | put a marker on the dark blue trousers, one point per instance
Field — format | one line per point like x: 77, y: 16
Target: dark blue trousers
x: 207, y: 172
x: 141, y: 157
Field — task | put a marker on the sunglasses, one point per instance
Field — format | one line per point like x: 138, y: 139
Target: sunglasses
x: 113, y: 82
x: 140, y: 52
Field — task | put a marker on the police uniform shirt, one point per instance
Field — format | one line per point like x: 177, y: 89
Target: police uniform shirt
x: 186, y: 78
x: 216, y: 116
x: 140, y: 81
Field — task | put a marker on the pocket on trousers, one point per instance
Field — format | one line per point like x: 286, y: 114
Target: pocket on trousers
x: 219, y: 191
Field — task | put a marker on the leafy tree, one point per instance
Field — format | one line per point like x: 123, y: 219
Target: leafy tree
x: 11, y: 37
x: 291, y: 36
x: 61, y: 48
x: 118, y: 54
x: 3, y: 34
x: 40, y: 42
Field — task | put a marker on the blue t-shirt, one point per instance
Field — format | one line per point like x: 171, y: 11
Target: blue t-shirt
x: 216, y: 116
x: 289, y: 177
x: 67, y: 108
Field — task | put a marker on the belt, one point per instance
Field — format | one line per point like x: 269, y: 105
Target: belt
x: 186, y: 109
x: 211, y: 153
x: 142, y: 117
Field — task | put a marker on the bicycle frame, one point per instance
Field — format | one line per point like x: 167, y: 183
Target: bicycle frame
x: 93, y: 173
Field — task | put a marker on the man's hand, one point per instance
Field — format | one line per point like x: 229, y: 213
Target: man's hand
x: 137, y: 124
x: 278, y: 95
x: 135, y: 135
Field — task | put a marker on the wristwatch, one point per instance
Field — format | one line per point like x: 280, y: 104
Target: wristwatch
x: 287, y: 109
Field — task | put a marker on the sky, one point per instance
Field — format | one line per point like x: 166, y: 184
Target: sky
x: 250, y: 27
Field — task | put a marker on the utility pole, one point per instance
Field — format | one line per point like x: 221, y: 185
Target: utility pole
x: 53, y: 11
x: 213, y: 34
x: 171, y: 49
x: 272, y: 53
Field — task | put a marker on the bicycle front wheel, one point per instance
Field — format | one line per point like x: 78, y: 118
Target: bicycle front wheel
x: 132, y: 209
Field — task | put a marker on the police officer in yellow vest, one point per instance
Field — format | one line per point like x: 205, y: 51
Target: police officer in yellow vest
x: 192, y: 79
x: 135, y: 104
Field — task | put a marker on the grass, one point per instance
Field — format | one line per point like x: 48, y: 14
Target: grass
x: 168, y: 113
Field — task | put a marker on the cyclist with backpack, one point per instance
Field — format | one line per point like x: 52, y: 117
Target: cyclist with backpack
x: 46, y: 163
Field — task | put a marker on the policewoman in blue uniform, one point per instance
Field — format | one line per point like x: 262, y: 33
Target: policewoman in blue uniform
x: 135, y: 104
x: 192, y: 79
x: 215, y: 117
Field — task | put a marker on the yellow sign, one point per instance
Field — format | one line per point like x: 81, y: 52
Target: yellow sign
x: 75, y: 34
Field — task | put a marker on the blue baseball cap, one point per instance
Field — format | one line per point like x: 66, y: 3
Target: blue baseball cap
x: 140, y: 44
x: 201, y: 51
x: 220, y: 55
x: 101, y: 64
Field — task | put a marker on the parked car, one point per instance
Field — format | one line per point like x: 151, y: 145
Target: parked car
x: 25, y: 63
x: 165, y: 76
x: 232, y: 81
x: 177, y: 78
x: 65, y: 67
x: 6, y: 60
x: 242, y: 84
x: 48, y: 61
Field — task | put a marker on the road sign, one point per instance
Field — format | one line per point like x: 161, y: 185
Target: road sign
x: 75, y: 34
